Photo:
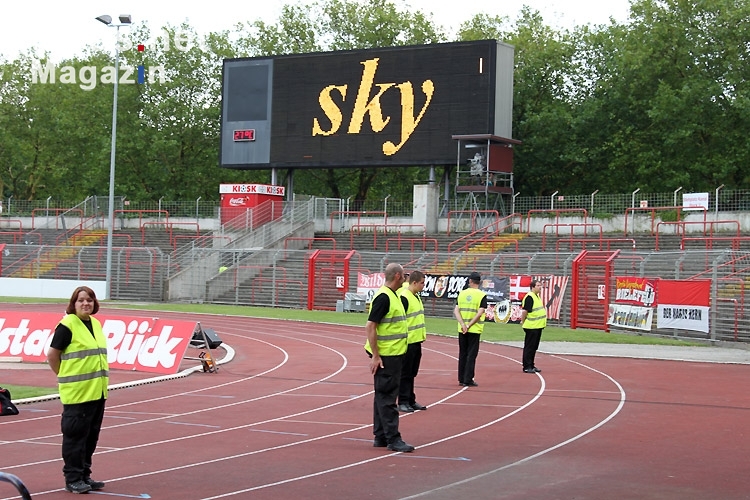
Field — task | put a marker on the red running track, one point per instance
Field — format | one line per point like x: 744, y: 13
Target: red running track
x: 290, y: 417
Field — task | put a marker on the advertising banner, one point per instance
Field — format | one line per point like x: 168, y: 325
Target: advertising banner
x: 133, y: 343
x: 369, y: 284
x: 497, y: 289
x: 636, y: 291
x: 636, y: 317
x: 684, y: 304
x: 446, y: 286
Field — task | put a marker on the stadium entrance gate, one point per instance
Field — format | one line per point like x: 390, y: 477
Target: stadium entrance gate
x: 592, y: 279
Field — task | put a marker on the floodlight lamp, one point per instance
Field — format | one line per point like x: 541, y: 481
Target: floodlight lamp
x: 105, y: 19
x: 126, y: 19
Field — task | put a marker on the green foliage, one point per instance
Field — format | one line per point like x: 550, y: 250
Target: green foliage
x: 658, y: 102
x: 602, y: 216
x: 669, y: 215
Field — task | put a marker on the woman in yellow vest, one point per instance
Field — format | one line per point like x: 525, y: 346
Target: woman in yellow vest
x: 533, y: 321
x: 78, y: 356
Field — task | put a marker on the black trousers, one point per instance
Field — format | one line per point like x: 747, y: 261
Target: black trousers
x: 385, y: 411
x: 530, y: 345
x: 409, y: 372
x: 80, y: 425
x: 468, y: 348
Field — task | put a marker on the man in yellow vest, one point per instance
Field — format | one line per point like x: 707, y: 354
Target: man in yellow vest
x: 386, y: 345
x: 417, y: 333
x: 78, y: 355
x: 469, y: 311
x: 533, y: 321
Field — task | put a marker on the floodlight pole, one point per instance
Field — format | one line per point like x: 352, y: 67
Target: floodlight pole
x: 124, y: 21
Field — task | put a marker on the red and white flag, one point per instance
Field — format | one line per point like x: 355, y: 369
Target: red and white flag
x: 553, y: 291
x: 519, y: 287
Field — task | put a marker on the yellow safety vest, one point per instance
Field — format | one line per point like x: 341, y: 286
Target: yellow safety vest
x: 392, y: 329
x: 537, y: 318
x: 414, y: 317
x: 469, y: 300
x: 84, y: 370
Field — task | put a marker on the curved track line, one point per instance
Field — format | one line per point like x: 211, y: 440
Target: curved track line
x: 235, y: 403
x: 543, y: 452
x: 354, y: 464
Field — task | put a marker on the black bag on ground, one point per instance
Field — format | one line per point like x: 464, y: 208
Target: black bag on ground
x: 6, y: 405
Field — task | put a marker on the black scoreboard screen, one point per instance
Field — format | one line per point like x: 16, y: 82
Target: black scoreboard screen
x: 395, y: 106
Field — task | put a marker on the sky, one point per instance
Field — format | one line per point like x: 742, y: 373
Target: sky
x: 65, y: 28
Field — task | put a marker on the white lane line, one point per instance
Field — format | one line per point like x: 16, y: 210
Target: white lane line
x: 543, y: 452
x: 194, y: 425
x: 279, y: 432
x: 202, y: 411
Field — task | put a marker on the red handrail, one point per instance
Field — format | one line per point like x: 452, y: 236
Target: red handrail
x: 310, y: 241
x: 601, y: 241
x: 474, y: 214
x: 359, y: 214
x: 653, y: 211
x: 571, y: 226
x: 557, y: 213
x: 57, y: 212
x: 680, y: 227
x: 140, y: 213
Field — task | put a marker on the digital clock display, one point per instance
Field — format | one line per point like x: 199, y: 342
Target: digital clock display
x: 244, y: 135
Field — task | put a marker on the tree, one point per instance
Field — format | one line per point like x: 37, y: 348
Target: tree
x: 544, y: 63
x: 668, y: 97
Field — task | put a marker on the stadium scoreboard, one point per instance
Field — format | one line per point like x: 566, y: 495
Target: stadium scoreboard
x: 395, y: 106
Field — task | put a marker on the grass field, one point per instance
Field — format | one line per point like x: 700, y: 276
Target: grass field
x: 442, y: 326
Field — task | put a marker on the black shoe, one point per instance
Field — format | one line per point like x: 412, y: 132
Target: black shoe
x: 529, y: 370
x: 405, y: 408
x: 470, y: 384
x: 417, y: 406
x: 536, y: 370
x: 379, y: 443
x: 79, y: 486
x: 400, y: 446
x: 95, y: 485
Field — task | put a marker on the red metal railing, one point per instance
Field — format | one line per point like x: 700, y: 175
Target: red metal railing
x: 385, y: 227
x: 572, y: 228
x: 6, y: 223
x: 474, y: 215
x: 311, y: 241
x: 557, y: 213
x: 413, y: 243
x: 57, y: 212
x: 359, y: 215
x: 679, y: 227
x: 152, y: 213
x: 708, y: 241
x: 601, y: 241
x: 169, y: 226
x: 654, y: 210
x: 496, y: 228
